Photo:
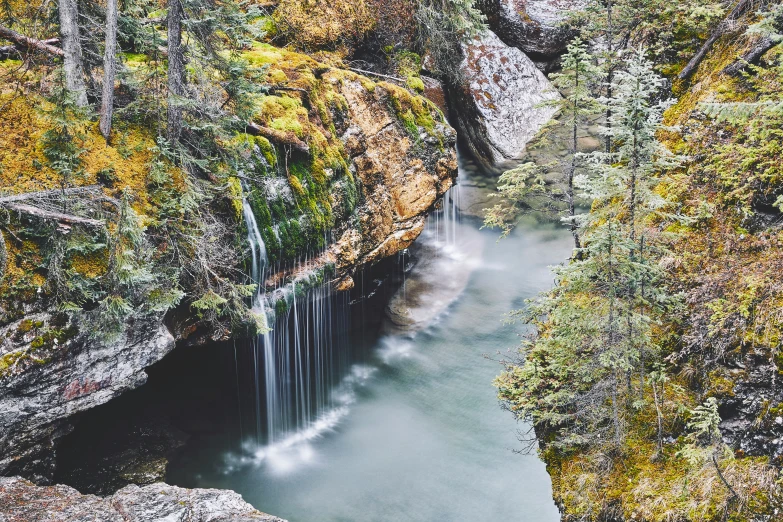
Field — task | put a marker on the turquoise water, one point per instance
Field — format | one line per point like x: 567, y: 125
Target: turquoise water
x: 420, y: 435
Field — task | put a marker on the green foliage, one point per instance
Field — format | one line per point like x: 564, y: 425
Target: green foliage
x: 515, y: 188
x: 442, y: 26
x: 63, y: 141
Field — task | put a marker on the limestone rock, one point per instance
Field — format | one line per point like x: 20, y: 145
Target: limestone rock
x: 531, y: 25
x: 499, y: 103
x: 22, y: 501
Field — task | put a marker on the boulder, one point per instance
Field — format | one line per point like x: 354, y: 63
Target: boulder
x: 22, y: 501
x: 498, y: 106
x: 532, y: 25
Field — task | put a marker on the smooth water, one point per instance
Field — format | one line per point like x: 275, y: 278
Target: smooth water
x: 419, y: 435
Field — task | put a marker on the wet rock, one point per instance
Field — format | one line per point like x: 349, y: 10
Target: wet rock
x: 57, y: 372
x: 22, y: 501
x: 498, y: 106
x: 442, y: 271
x: 532, y: 25
x: 121, y: 455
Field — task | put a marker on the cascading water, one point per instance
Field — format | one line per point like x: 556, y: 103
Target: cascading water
x: 300, y: 354
x: 300, y: 365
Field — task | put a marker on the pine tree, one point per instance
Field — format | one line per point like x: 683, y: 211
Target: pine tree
x: 576, y: 80
x: 524, y: 187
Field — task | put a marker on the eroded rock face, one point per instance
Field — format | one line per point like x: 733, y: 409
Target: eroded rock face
x: 22, y: 501
x: 498, y: 108
x: 532, y: 25
x: 752, y: 420
x: 402, y: 176
x: 52, y: 371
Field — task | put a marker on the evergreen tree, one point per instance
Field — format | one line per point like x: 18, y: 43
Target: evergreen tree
x: 577, y: 81
x: 524, y: 187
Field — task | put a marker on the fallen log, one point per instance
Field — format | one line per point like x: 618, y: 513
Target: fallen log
x: 54, y: 216
x: 29, y: 43
x: 751, y: 57
x: 279, y: 137
x: 739, y: 9
x: 50, y: 193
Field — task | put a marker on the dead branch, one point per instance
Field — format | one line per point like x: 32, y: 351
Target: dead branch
x: 279, y: 137
x: 3, y: 257
x: 751, y: 57
x: 69, y: 219
x: 739, y: 9
x: 29, y: 43
x: 393, y: 78
x: 50, y: 193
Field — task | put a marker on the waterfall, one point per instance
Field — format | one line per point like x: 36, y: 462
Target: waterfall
x: 297, y: 359
x: 442, y: 223
x: 298, y: 369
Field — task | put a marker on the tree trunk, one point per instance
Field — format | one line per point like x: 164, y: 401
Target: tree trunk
x: 739, y: 9
x: 72, y: 50
x: 751, y: 57
x: 176, y: 70
x: 109, y: 69
x: 659, y: 416
x: 572, y: 171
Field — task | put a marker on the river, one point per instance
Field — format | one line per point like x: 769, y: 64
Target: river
x: 421, y: 436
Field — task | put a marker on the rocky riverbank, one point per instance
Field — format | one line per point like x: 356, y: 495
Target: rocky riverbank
x: 23, y: 501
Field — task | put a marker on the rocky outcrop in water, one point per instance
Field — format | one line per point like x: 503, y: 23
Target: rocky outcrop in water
x: 51, y: 371
x: 498, y: 106
x: 532, y: 25
x: 22, y: 501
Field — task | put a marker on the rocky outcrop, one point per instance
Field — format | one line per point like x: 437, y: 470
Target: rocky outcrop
x: 50, y: 370
x: 379, y: 157
x: 403, y: 169
x: 535, y: 26
x: 498, y: 108
x: 22, y: 501
x: 751, y: 407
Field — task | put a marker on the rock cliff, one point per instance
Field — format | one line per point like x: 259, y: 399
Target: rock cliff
x: 374, y: 159
x: 534, y: 26
x: 52, y: 371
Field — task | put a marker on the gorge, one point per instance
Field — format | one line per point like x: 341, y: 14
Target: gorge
x: 271, y: 257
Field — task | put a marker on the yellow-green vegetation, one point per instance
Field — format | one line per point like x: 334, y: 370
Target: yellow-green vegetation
x: 44, y: 339
x: 320, y: 181
x: 333, y: 26
x: 306, y: 114
x: 701, y: 359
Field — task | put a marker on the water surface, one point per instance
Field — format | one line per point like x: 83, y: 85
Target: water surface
x: 420, y: 436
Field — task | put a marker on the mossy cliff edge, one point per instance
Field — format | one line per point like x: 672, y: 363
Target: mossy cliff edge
x: 342, y: 173
x: 721, y: 347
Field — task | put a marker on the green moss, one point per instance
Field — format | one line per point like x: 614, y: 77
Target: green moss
x: 267, y: 150
x: 288, y: 125
x: 415, y: 83
x: 281, y: 307
x: 235, y: 193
